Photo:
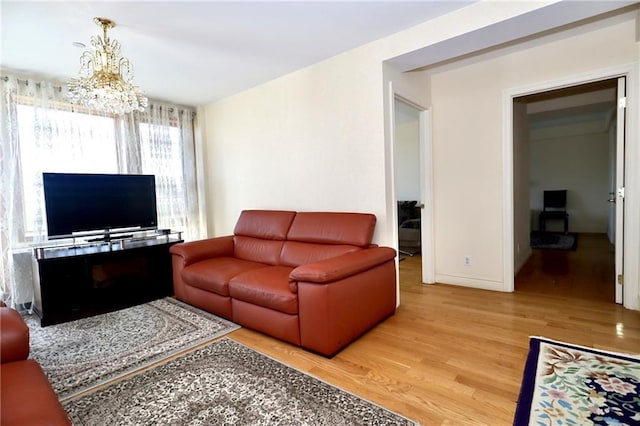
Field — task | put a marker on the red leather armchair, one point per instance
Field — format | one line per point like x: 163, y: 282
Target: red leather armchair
x: 26, y: 396
x: 309, y: 278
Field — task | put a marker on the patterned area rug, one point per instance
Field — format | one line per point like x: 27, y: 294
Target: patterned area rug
x: 85, y: 353
x: 225, y: 383
x: 565, y: 384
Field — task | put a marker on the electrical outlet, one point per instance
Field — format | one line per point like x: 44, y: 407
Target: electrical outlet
x: 467, y: 261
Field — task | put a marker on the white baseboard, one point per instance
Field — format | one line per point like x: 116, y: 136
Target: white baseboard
x: 470, y: 282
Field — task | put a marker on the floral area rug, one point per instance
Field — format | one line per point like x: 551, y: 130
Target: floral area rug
x: 82, y: 354
x: 225, y: 383
x: 565, y: 384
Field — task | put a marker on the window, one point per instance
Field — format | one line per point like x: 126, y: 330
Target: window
x: 162, y: 155
x: 58, y: 140
x: 41, y: 132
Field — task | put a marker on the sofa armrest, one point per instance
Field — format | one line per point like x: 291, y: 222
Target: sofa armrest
x: 343, y: 266
x: 14, y: 336
x: 195, y: 251
x: 337, y: 312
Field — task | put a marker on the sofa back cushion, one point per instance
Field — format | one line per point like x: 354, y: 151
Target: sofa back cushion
x: 259, y: 235
x: 355, y: 229
x: 317, y: 236
x: 265, y: 224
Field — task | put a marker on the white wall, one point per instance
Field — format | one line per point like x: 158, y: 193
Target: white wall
x: 407, y: 159
x: 579, y: 164
x: 467, y: 123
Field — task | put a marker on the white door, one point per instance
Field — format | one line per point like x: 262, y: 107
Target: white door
x: 426, y: 190
x: 408, y: 172
x: 618, y: 196
x: 412, y: 170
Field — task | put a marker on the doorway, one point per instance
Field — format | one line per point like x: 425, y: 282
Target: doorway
x: 407, y: 178
x: 413, y: 185
x: 569, y: 140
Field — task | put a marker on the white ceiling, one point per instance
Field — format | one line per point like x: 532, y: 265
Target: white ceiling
x: 193, y: 53
x: 196, y: 52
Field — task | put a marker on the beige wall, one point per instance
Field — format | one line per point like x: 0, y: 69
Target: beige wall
x: 468, y: 126
x: 310, y: 141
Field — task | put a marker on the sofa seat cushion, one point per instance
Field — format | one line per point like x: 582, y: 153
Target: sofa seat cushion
x: 267, y: 287
x: 214, y: 274
x: 27, y: 396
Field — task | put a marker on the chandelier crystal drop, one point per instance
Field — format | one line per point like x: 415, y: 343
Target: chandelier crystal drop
x: 106, y: 78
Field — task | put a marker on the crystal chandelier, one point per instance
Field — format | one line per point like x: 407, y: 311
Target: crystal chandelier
x: 105, y: 81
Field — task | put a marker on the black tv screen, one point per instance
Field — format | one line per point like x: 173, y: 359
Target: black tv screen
x: 77, y: 202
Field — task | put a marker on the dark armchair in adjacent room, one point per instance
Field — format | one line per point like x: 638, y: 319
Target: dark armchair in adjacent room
x: 409, y: 228
x: 555, y: 208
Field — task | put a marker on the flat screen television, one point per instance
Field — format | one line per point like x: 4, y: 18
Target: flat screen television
x: 82, y: 203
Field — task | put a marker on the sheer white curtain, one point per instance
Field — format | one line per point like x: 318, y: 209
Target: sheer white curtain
x: 41, y: 132
x: 162, y: 132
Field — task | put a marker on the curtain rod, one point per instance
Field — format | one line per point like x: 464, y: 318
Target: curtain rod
x: 26, y: 82
x: 171, y: 109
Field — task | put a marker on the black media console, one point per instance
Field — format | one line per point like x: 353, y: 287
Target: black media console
x: 87, y: 279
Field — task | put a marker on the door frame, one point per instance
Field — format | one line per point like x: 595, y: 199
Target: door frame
x: 426, y: 183
x: 631, y: 246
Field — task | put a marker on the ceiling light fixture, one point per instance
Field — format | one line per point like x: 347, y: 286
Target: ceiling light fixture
x: 105, y: 81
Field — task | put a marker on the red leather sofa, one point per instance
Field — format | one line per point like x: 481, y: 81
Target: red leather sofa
x: 312, y: 279
x: 26, y: 396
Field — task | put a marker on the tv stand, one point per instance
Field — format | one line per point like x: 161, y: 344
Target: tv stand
x: 91, y: 278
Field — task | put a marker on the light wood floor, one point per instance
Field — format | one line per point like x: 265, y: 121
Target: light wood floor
x: 586, y: 273
x: 453, y: 355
